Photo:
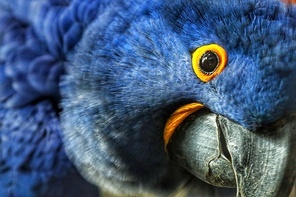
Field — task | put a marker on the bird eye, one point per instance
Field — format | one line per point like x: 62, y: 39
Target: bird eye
x: 208, y: 61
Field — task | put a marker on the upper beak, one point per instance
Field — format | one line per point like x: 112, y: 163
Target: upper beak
x: 225, y: 154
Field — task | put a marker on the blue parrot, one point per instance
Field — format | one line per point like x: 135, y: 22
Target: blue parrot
x: 141, y: 61
x: 99, y: 88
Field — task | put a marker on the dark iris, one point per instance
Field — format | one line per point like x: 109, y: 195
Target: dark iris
x: 208, y: 62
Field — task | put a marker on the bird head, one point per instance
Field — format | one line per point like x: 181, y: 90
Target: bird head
x: 140, y: 62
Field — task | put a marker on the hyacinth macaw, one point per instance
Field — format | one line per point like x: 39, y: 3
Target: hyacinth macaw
x: 147, y: 97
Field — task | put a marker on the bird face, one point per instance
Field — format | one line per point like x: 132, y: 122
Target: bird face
x: 135, y: 67
x: 255, y: 87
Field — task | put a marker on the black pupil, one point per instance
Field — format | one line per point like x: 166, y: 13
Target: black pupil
x: 208, y: 62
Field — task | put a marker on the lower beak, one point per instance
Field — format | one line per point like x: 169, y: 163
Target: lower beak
x: 225, y: 154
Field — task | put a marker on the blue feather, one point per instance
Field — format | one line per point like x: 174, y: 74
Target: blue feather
x: 33, y: 162
x: 118, y: 69
x: 132, y: 69
x: 34, y: 43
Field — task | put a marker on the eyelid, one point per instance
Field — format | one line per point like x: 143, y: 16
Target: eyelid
x: 197, y: 54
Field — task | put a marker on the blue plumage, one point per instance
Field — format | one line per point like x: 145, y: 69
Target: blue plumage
x: 133, y: 70
x: 32, y: 160
x: 34, y: 46
x: 35, y: 38
x: 112, y: 72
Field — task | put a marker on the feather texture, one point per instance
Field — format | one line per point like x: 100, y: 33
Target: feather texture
x: 97, y: 80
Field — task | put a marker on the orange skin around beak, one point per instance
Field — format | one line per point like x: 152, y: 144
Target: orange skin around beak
x: 289, y: 1
x: 177, y: 118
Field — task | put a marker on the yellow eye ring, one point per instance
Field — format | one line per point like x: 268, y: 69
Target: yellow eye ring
x: 208, y: 61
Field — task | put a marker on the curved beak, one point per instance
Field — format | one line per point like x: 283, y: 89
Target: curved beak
x: 225, y: 154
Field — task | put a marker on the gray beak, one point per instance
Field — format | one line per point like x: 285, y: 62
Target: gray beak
x: 225, y: 154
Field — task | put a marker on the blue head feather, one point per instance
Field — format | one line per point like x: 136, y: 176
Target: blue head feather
x: 255, y: 88
x: 133, y: 69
